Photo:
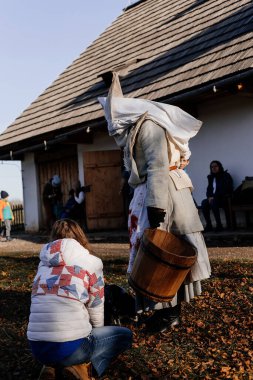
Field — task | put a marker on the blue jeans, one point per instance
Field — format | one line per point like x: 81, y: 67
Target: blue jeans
x: 100, y: 347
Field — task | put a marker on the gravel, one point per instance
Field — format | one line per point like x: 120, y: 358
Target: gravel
x: 25, y: 244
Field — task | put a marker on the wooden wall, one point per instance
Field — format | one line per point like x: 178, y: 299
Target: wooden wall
x: 102, y: 170
x: 64, y: 163
x: 104, y: 204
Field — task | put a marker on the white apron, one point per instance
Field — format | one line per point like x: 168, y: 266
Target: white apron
x: 137, y: 223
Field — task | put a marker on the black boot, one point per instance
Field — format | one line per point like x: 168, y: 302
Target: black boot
x: 172, y: 314
x: 155, y: 324
x: 162, y: 320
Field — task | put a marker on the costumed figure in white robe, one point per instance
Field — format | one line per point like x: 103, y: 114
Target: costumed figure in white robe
x: 154, y: 137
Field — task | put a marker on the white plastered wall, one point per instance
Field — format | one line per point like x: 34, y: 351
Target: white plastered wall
x: 31, y: 193
x: 226, y: 136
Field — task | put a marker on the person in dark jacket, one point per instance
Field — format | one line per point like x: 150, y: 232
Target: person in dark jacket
x: 220, y: 187
x: 69, y: 206
x: 52, y: 200
x: 78, y: 213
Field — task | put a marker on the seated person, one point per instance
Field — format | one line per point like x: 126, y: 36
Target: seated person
x: 220, y: 186
x: 70, y: 204
x: 66, y: 325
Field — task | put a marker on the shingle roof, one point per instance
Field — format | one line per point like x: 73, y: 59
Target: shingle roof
x: 167, y: 47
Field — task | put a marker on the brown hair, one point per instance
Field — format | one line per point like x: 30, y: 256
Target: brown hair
x: 67, y: 228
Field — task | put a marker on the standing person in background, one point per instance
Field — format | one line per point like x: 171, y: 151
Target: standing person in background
x: 220, y: 187
x: 66, y: 325
x: 154, y: 136
x: 52, y: 200
x: 6, y: 214
x: 69, y: 206
x: 79, y: 193
x: 183, y: 163
x: 78, y: 211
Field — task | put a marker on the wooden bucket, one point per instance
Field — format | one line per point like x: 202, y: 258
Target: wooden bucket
x: 161, y: 265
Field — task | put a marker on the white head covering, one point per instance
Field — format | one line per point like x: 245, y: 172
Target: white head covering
x: 121, y: 113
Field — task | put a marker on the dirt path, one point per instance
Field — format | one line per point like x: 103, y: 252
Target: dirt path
x: 105, y: 249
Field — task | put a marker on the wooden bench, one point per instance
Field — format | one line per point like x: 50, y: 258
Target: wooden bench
x: 222, y: 213
x: 233, y: 208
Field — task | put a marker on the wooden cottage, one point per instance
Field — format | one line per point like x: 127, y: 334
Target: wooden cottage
x: 197, y: 54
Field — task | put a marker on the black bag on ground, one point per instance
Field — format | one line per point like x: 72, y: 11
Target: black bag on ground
x: 119, y: 305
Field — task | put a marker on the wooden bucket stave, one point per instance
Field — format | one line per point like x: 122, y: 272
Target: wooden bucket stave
x: 161, y: 265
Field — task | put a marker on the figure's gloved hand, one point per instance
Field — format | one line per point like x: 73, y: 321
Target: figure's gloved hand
x: 155, y: 216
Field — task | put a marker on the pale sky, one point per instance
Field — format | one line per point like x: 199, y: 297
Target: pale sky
x: 38, y: 40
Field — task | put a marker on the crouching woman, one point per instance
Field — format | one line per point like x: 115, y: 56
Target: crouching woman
x: 66, y: 328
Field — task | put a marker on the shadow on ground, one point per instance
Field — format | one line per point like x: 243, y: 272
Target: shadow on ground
x: 226, y: 238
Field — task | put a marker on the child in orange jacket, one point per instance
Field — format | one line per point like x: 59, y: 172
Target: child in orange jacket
x: 6, y: 214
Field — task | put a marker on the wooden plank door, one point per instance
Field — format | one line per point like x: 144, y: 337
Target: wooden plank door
x: 104, y: 204
x: 66, y: 168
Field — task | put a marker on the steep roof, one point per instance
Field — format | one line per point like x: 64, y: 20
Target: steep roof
x: 161, y: 49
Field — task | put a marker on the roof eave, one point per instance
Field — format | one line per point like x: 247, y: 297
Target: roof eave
x: 209, y: 87
x: 44, y: 141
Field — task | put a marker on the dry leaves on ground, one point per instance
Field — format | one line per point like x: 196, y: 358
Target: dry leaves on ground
x: 214, y: 340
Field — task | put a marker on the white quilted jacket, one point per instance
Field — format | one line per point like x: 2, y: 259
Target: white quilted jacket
x: 68, y: 293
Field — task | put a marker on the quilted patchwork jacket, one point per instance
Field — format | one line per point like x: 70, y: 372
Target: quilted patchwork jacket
x: 67, y: 294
